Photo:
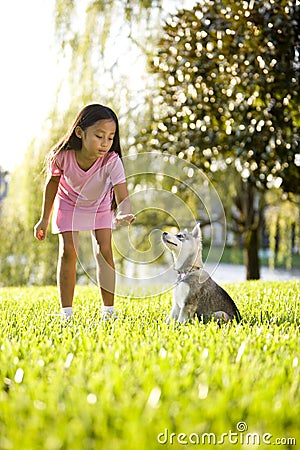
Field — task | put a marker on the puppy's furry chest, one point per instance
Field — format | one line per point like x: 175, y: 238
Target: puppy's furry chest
x: 181, y: 293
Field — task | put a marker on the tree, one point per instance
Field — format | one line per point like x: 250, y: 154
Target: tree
x: 228, y: 101
x: 282, y: 219
x: 89, y: 35
x: 23, y: 261
x: 100, y: 41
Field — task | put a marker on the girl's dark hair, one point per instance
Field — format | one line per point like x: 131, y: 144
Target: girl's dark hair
x: 87, y: 117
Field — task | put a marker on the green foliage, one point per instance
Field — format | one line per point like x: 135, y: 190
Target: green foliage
x: 92, y: 385
x: 229, y: 88
x: 20, y: 256
x: 95, y: 36
x: 85, y: 32
x: 204, y: 59
x: 282, y: 221
x: 64, y: 14
x: 228, y: 101
x: 24, y: 260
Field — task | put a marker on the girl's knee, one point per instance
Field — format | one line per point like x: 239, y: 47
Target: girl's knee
x: 68, y: 243
x: 104, y: 251
x: 68, y: 252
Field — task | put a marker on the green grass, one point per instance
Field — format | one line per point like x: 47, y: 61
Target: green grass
x: 91, y: 385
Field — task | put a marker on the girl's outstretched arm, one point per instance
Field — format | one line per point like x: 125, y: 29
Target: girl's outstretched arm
x: 124, y: 215
x: 40, y: 229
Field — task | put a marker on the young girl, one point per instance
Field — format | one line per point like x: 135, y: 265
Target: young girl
x: 85, y: 182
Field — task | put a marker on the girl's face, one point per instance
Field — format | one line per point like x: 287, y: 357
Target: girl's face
x: 97, y: 139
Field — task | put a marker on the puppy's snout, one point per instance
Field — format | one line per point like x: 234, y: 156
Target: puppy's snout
x: 164, y: 233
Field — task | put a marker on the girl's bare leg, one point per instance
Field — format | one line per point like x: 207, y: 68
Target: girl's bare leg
x: 105, y: 264
x: 66, y: 267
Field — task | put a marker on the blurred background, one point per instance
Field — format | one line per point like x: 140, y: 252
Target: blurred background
x: 213, y: 83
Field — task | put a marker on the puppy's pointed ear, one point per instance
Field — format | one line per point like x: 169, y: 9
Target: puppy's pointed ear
x: 196, y: 233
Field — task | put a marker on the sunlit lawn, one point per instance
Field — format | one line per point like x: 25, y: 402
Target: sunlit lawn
x: 138, y: 384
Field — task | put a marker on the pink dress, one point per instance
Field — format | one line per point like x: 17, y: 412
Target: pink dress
x: 83, y: 199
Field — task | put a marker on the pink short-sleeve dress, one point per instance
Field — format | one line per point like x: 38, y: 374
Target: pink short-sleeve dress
x: 83, y: 199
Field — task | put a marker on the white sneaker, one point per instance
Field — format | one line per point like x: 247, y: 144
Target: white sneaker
x: 106, y: 316
x: 64, y: 318
x: 66, y: 314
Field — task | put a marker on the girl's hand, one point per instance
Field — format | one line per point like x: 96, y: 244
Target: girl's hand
x: 40, y: 230
x: 124, y: 219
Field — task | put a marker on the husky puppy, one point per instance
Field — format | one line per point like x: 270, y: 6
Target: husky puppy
x: 195, y: 293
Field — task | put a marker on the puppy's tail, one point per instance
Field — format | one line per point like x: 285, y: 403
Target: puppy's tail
x: 238, y: 316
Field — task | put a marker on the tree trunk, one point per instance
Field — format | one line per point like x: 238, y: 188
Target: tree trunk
x: 252, y: 262
x: 248, y: 217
